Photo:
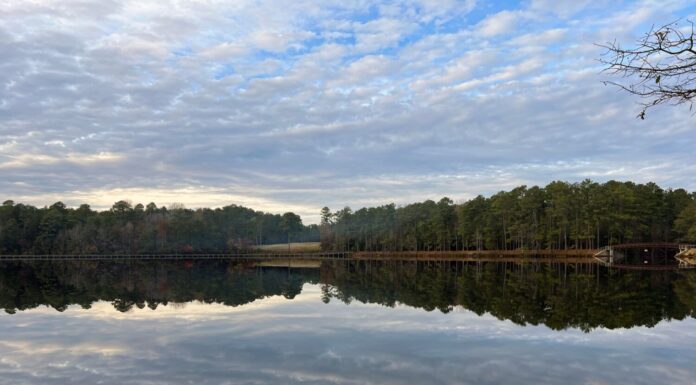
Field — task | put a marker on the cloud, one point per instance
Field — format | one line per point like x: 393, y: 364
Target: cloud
x: 300, y: 105
x: 499, y: 23
x: 564, y: 8
x: 28, y: 160
x: 279, y: 41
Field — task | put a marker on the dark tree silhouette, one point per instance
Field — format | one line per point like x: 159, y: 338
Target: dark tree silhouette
x: 660, y: 69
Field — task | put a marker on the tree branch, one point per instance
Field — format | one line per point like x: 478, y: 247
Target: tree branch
x: 662, y: 66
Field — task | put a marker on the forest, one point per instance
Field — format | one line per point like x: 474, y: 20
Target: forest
x: 125, y: 228
x: 561, y: 215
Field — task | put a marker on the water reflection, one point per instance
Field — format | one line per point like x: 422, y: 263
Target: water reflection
x: 243, y: 323
x: 558, y: 295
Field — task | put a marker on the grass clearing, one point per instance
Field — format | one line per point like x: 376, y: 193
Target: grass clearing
x: 299, y: 247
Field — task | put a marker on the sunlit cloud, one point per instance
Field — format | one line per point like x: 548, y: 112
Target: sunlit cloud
x: 192, y: 197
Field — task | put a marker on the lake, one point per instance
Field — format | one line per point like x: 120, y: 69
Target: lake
x: 344, y: 322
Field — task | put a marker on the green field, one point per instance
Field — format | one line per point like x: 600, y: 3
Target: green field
x: 300, y: 247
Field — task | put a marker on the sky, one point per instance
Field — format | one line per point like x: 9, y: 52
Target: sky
x: 292, y: 106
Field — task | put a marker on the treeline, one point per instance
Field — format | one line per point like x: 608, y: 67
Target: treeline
x: 125, y: 228
x: 561, y: 215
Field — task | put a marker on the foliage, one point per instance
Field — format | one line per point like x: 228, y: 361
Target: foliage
x: 142, y: 229
x: 686, y: 223
x: 562, y: 215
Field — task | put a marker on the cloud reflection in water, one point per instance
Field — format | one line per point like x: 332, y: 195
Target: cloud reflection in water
x: 276, y: 340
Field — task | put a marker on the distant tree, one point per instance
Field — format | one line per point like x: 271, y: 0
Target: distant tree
x: 177, y: 206
x: 446, y: 223
x: 291, y: 223
x: 685, y: 224
x: 326, y: 216
x: 257, y: 226
x: 60, y: 206
x: 121, y: 206
x: 50, y: 227
x: 661, y: 68
x: 325, y: 233
x: 151, y: 208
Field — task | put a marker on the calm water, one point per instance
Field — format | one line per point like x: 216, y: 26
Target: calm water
x: 344, y: 323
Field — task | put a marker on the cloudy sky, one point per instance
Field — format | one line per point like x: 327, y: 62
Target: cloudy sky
x: 295, y: 105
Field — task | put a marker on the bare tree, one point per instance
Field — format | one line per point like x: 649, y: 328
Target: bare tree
x: 660, y: 69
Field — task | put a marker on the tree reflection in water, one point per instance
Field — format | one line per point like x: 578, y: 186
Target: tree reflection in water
x: 558, y: 295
